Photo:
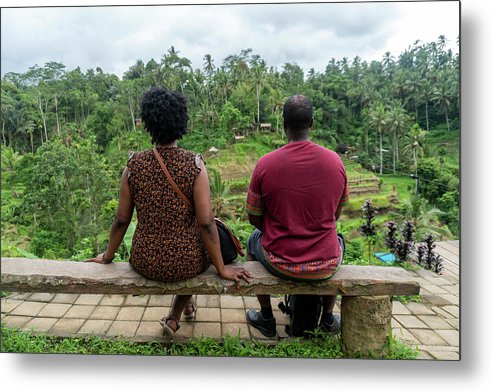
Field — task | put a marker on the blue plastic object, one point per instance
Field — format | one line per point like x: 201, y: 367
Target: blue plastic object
x: 387, y: 258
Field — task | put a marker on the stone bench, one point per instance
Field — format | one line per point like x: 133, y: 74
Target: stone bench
x: 366, y: 290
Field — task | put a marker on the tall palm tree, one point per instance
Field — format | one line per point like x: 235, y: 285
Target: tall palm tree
x: 257, y: 77
x: 377, y: 119
x: 442, y: 96
x: 413, y: 144
x: 397, y: 121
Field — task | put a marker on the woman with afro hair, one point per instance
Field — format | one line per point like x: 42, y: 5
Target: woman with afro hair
x: 173, y: 241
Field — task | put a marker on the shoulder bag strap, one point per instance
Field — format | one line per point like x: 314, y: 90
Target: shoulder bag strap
x: 170, y: 179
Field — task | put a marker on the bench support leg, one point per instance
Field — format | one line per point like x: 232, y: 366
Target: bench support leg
x: 366, y: 325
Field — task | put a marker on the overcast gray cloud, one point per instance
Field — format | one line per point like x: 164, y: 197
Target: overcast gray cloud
x: 113, y: 38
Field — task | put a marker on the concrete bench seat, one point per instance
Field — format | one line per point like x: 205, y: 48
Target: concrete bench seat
x: 366, y: 290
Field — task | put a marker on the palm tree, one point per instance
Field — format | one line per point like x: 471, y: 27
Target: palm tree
x: 258, y: 76
x: 397, y: 120
x: 442, y: 95
x: 414, y: 141
x: 377, y: 119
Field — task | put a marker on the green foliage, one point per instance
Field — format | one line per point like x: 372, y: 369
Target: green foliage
x: 320, y: 346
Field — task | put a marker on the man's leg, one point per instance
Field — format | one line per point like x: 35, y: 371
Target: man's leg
x: 329, y: 322
x: 262, y: 320
x: 263, y: 299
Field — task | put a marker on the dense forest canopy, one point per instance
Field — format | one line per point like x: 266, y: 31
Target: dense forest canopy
x: 66, y: 133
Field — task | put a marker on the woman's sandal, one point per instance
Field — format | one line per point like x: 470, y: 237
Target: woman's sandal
x: 190, y: 315
x: 168, y: 331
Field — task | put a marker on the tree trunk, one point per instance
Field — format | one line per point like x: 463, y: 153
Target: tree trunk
x: 427, y: 115
x: 380, y: 151
x: 43, y: 117
x: 366, y: 326
x: 447, y: 119
x: 395, y: 148
x: 3, y: 134
x: 56, y: 113
x: 132, y: 112
x: 258, y: 101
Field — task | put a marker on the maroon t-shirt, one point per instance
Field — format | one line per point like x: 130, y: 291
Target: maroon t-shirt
x: 297, y: 189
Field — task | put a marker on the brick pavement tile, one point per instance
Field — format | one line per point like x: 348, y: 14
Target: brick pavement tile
x: 40, y: 324
x: 418, y: 308
x: 211, y: 330
x: 208, y: 301
x: 435, y: 300
x: 95, y: 327
x: 7, y: 304
x: 427, y: 337
x: 20, y: 296
x: 208, y: 314
x: 28, y: 309
x: 409, y: 321
x: 16, y: 321
x: 435, y: 322
x: 155, y: 313
x: 150, y: 329
x: 41, y: 297
x: 123, y: 328
x: 426, y: 273
x: 112, y: 300
x: 399, y: 308
x: 424, y: 292
x: 454, y: 322
x: 233, y: 329
x: 437, y: 280
x: 233, y: 315
x: 185, y: 331
x: 452, y: 298
x: 102, y: 312
x: 54, y: 310
x: 281, y: 332
x: 231, y: 302
x: 64, y: 298
x: 276, y: 300
x: 433, y: 289
x: 452, y: 310
x: 251, y: 302
x: 66, y: 327
x: 395, y: 324
x: 130, y: 313
x: 281, y: 319
x: 405, y: 336
x: 451, y: 336
x: 441, y: 312
x: 424, y: 355
x: 79, y: 311
x: 160, y: 300
x: 445, y: 355
x: 137, y: 300
x: 89, y: 299
x: 452, y: 288
x: 438, y: 348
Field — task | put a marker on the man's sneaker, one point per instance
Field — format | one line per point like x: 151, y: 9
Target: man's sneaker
x: 268, y: 327
x: 330, y: 323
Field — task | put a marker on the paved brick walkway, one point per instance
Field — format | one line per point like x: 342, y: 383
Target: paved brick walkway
x: 432, y: 325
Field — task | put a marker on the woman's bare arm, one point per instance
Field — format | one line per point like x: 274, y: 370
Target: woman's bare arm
x: 208, y: 229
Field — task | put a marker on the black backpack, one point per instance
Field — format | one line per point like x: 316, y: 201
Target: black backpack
x: 305, y: 310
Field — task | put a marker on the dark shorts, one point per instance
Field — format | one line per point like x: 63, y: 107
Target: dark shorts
x: 254, y: 248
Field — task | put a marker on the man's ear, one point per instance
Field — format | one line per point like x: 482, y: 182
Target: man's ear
x: 311, y: 123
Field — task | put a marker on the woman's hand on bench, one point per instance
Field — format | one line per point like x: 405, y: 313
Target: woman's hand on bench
x: 236, y: 274
x: 100, y: 258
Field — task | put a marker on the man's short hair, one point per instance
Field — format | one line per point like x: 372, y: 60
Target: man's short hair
x: 298, y: 113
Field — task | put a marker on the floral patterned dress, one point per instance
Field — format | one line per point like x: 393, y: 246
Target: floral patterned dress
x: 167, y: 244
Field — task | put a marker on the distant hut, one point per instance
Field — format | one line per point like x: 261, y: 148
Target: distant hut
x: 265, y: 127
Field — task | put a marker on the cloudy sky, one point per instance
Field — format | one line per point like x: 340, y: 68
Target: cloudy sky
x: 113, y: 38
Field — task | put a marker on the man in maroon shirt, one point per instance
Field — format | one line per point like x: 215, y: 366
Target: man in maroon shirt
x: 295, y: 197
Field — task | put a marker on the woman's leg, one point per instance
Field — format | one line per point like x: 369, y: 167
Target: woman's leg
x: 176, y: 310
